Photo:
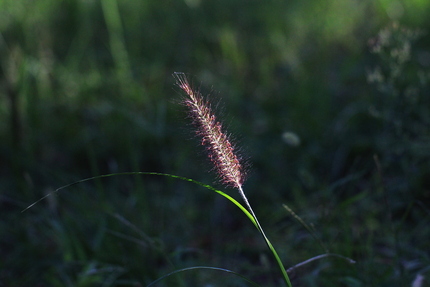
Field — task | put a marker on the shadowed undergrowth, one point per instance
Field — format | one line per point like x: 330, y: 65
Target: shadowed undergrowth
x: 332, y: 112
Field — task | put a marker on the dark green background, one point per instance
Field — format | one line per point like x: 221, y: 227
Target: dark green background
x: 86, y: 89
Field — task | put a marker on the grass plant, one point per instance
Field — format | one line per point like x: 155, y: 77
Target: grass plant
x: 221, y: 152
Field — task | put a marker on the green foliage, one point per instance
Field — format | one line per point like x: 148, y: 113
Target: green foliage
x: 86, y: 89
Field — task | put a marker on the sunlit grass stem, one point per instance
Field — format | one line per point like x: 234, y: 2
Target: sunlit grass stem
x: 266, y: 239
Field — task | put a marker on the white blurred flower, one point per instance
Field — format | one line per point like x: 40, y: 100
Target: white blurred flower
x: 291, y: 138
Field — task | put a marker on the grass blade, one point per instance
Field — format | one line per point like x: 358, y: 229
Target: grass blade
x: 203, y: 267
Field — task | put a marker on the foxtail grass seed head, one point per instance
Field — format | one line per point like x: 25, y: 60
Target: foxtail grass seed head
x: 220, y: 149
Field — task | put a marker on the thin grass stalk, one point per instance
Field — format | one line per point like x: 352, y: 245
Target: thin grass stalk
x: 310, y: 229
x: 266, y: 239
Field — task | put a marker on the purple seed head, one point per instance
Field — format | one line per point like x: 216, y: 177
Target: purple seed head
x: 218, y: 145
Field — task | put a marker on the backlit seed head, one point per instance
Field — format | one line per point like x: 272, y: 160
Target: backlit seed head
x: 220, y: 149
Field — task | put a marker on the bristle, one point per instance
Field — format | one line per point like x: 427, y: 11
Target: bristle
x: 220, y: 149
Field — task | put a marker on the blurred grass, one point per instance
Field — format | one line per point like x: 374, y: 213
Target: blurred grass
x: 87, y: 89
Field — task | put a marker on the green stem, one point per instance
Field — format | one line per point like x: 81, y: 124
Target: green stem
x: 269, y: 244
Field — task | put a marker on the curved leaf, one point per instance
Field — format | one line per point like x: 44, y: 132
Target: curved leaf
x: 203, y: 267
x: 231, y: 199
